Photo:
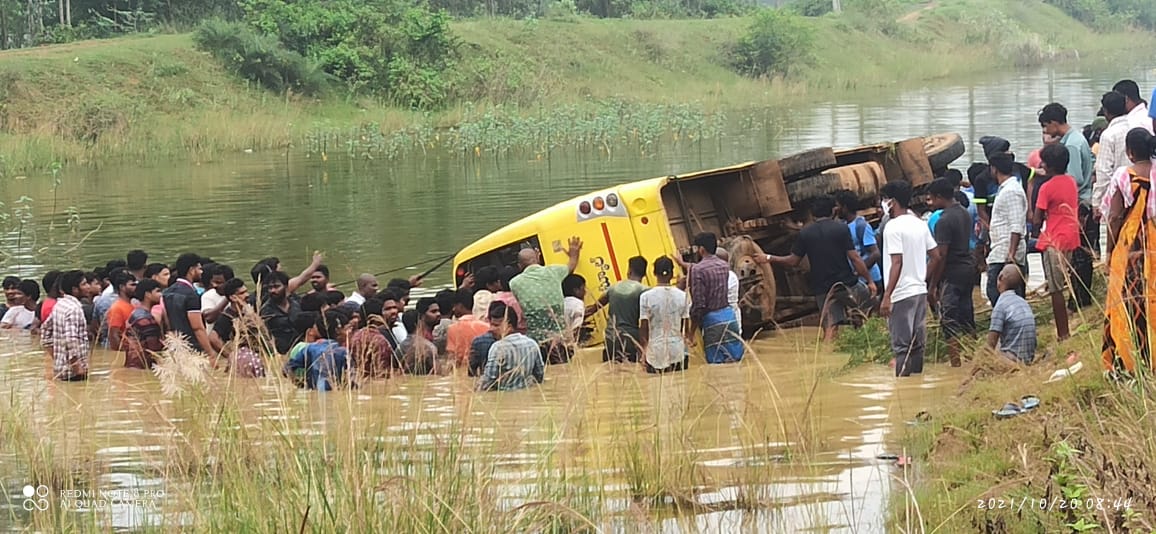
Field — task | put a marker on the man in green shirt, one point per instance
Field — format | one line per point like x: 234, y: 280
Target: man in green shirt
x: 538, y: 290
x: 624, y: 298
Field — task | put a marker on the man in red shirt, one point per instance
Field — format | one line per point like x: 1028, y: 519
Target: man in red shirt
x: 1058, y: 204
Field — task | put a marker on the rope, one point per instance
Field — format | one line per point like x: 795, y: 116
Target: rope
x: 442, y: 260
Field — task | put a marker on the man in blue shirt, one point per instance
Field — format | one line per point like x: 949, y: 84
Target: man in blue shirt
x: 862, y: 235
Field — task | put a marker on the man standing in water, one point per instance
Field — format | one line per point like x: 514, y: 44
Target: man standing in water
x: 514, y: 360
x: 366, y: 287
x: 906, y: 241
x: 622, y: 336
x: 64, y: 333
x: 840, y: 295
x: 538, y: 290
x: 952, y: 276
x: 710, y: 311
x: 182, y: 305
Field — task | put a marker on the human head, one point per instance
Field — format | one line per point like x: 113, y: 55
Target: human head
x: 508, y: 273
x: 70, y: 282
x: 503, y: 319
x: 409, y: 320
x: 445, y: 299
x: 332, y: 325
x: 488, y: 278
x: 1055, y: 159
x: 124, y: 283
x: 953, y: 177
x: 574, y: 285
x: 148, y: 292
x: 1054, y: 119
x: 823, y: 206
x: 28, y: 292
x: 1140, y: 145
x: 896, y: 196
x: 636, y: 267
x: 663, y: 269
x: 188, y: 266
x: 390, y: 307
x: 429, y: 312
x: 115, y: 264
x: 158, y: 272
x: 847, y: 204
x: 137, y: 260
x: 1010, y: 278
x: 1002, y: 166
x: 403, y: 286
x: 11, y: 286
x: 705, y: 244
x: 313, y: 302
x: 273, y: 286
x: 941, y: 193
x: 330, y: 298
x: 234, y: 287
x: 528, y: 257
x: 49, y: 283
x: 463, y: 303
x: 91, y: 285
x: 103, y: 275
x: 221, y: 274
x: 320, y: 278
x: 993, y: 144
x: 1114, y: 105
x: 481, y: 304
x: 1131, y: 92
x: 366, y: 285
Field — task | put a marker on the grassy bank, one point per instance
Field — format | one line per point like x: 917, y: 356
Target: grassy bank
x: 1080, y: 462
x: 155, y: 98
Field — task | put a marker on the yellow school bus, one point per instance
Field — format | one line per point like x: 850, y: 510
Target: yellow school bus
x: 752, y: 207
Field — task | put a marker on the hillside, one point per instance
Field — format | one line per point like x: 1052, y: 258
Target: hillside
x: 155, y: 97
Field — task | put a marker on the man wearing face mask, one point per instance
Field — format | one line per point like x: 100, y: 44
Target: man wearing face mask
x: 907, y: 241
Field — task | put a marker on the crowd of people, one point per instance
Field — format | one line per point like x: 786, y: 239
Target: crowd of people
x: 931, y: 248
x: 504, y: 324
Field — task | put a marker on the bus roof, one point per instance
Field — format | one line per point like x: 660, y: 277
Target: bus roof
x: 528, y: 226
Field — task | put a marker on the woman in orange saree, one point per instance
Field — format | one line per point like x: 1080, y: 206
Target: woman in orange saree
x: 1131, y: 299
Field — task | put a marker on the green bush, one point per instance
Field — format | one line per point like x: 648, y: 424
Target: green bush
x: 259, y: 58
x: 811, y: 8
x: 776, y: 42
x: 392, y: 49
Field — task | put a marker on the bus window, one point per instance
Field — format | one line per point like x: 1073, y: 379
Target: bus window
x: 501, y: 257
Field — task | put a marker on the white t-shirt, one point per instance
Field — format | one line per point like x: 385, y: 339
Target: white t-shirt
x: 733, y: 297
x: 19, y: 317
x: 209, y: 300
x: 664, y: 308
x: 911, y: 237
x: 399, y: 333
x: 356, y: 298
x: 574, y: 312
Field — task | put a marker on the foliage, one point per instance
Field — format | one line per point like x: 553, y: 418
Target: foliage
x: 392, y: 49
x: 776, y: 42
x: 1109, y: 14
x: 811, y: 8
x: 259, y: 58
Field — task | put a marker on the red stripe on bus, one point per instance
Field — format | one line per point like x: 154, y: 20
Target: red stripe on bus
x: 610, y: 249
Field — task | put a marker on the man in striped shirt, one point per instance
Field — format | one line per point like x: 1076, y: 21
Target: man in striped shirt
x: 64, y: 334
x: 1008, y: 223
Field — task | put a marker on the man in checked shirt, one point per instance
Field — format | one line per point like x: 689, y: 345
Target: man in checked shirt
x: 710, y: 310
x: 64, y: 333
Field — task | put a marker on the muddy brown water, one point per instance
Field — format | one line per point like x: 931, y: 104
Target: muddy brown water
x: 373, y: 216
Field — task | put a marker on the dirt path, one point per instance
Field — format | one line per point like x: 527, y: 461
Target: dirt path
x: 914, y: 15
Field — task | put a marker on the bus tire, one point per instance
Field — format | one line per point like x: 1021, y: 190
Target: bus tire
x: 942, y: 150
x: 812, y: 187
x: 803, y: 164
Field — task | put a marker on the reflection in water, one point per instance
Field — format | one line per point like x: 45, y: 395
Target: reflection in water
x: 780, y: 442
x: 783, y: 440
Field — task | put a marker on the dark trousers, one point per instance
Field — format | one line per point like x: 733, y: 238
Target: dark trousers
x: 992, y: 290
x: 1081, y: 272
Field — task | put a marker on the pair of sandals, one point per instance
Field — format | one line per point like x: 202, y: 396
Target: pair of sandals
x: 1027, y: 403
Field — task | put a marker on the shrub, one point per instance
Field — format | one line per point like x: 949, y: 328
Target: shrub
x: 392, y: 49
x: 775, y: 43
x: 259, y: 58
x: 811, y: 8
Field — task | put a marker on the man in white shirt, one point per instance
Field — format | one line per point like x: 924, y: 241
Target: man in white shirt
x: 1113, y: 154
x: 366, y: 287
x: 1138, y: 116
x: 907, y: 241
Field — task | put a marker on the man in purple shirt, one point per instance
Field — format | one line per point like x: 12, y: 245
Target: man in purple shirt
x: 710, y: 310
